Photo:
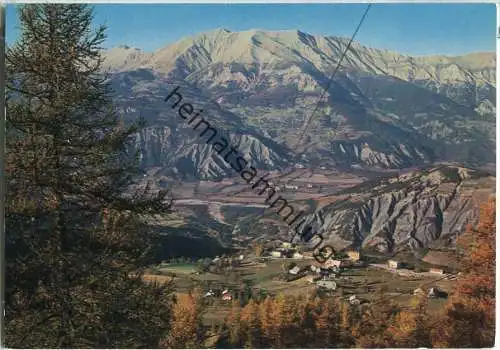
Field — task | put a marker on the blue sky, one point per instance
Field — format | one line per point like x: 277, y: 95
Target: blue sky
x: 415, y: 29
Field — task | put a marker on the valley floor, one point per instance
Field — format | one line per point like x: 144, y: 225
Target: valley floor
x: 221, y: 204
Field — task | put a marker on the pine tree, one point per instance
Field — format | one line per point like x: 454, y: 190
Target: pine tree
x: 75, y: 241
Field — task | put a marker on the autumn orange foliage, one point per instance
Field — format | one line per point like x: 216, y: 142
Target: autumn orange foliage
x: 331, y: 322
x: 469, y: 319
x: 186, y: 330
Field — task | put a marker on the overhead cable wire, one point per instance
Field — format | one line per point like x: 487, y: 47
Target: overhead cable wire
x: 309, y: 119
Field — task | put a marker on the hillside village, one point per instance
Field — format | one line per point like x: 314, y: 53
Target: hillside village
x: 300, y: 270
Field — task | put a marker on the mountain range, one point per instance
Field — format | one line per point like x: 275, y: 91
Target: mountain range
x: 381, y: 110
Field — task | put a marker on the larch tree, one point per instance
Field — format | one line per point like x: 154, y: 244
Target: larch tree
x: 233, y: 325
x: 411, y: 327
x: 292, y: 333
x: 277, y: 321
x: 266, y: 323
x: 327, y: 324
x: 187, y: 328
x: 77, y: 228
x: 370, y: 328
x: 469, y: 319
x: 251, y: 325
x: 305, y: 309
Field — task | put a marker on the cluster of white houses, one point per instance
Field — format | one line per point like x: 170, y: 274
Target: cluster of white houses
x: 226, y: 295
x: 287, y: 250
x: 324, y: 274
x: 332, y: 265
x: 432, y: 292
x: 394, y: 264
x: 353, y: 256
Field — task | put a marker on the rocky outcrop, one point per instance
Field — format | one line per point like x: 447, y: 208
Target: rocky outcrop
x: 176, y: 148
x: 407, y: 212
x: 186, y: 156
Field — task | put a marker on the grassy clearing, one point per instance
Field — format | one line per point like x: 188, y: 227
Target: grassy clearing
x: 177, y: 268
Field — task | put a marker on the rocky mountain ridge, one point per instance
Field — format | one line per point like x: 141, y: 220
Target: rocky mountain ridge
x: 382, y: 110
x: 412, y: 211
x: 171, y: 146
x: 293, y: 46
